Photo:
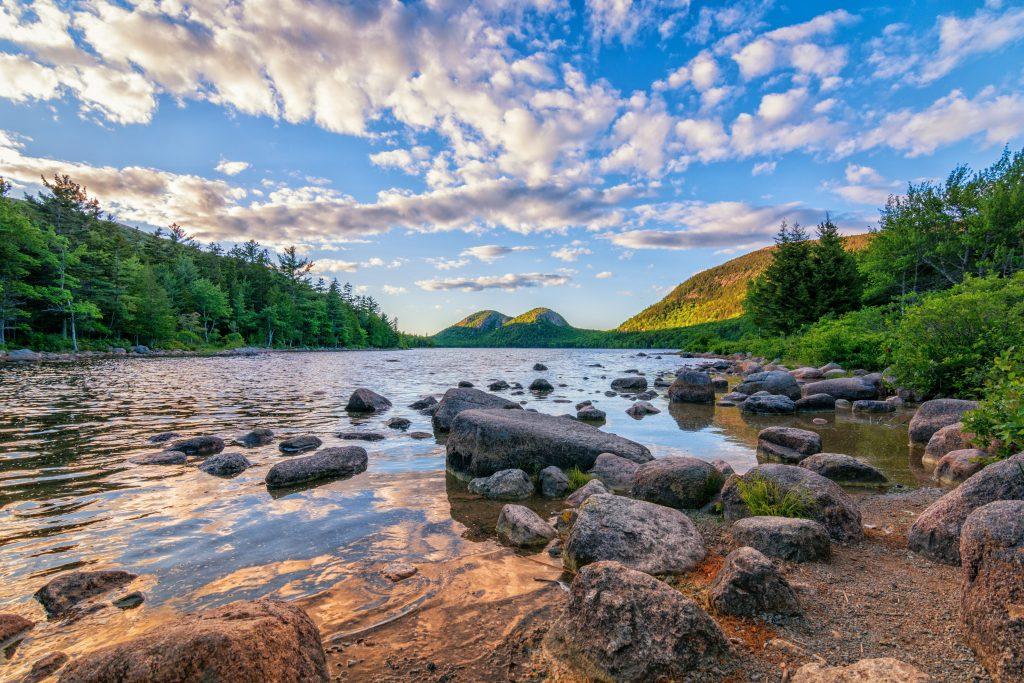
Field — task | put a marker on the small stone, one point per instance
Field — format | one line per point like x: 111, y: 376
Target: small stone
x: 225, y: 464
x: 398, y: 423
x: 553, y: 482
x: 541, y: 386
x: 749, y: 585
x: 129, y: 600
x: 421, y: 435
x: 363, y: 436
x: 299, y: 444
x: 521, y: 527
x: 399, y: 571
x: 511, y: 484
x: 161, y: 458
x: 199, y: 445
x: 257, y: 437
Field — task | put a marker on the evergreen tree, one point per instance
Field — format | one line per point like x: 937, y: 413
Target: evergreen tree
x: 780, y: 301
x: 837, y: 286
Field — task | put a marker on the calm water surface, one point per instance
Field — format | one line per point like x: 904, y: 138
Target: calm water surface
x: 69, y: 497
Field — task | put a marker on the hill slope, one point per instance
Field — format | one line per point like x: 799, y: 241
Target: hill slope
x: 537, y: 327
x: 713, y: 294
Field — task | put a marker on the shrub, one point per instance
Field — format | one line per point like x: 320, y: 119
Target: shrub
x: 861, y: 339
x: 764, y: 497
x: 998, y: 423
x: 945, y: 345
x: 189, y: 339
x: 233, y: 341
x: 577, y: 478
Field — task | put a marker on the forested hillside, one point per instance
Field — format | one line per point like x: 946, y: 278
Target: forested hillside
x: 73, y: 278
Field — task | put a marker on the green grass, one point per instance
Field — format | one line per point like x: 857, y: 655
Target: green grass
x: 764, y: 497
x: 577, y: 478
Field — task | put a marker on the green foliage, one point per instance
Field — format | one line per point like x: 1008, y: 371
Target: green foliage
x: 860, y: 339
x: 577, y: 478
x: 763, y: 496
x: 998, y: 423
x: 946, y: 344
x: 72, y: 278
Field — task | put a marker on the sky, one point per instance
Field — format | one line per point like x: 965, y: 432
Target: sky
x: 450, y: 156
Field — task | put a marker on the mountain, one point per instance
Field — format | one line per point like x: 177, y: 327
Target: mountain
x: 483, y: 321
x: 537, y: 327
x: 713, y: 294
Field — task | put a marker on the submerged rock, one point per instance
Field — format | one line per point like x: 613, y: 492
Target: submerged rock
x: 329, y: 463
x: 199, y: 445
x: 553, y: 482
x: 455, y: 401
x: 225, y: 464
x: 161, y: 458
x: 787, y: 444
x: 936, y: 533
x: 485, y: 441
x: 629, y: 384
x: 300, y: 444
x: 365, y: 436
x: 844, y: 469
x: 992, y: 592
x: 65, y: 591
x: 768, y: 405
x: 692, y: 386
x: 677, y: 481
x: 623, y: 625
x: 511, y: 484
x: 257, y: 437
x: 424, y: 402
x: 785, y: 538
x: 823, y: 500
x: 935, y: 414
x: 366, y: 401
x: 749, y: 585
x: 398, y: 423
x: 399, y: 571
x: 499, y: 385
x: 650, y: 538
x: 521, y: 527
x: 163, y: 437
x: 262, y: 640
x: 539, y: 367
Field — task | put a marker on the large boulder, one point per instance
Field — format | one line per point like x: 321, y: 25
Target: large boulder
x: 823, y: 500
x: 677, y: 481
x: 364, y: 400
x: 958, y: 466
x: 300, y: 444
x: 455, y: 401
x: 24, y: 356
x: 936, y: 533
x: 615, y: 472
x: 881, y: 670
x: 199, y: 445
x: 263, y: 640
x: 582, y: 494
x: 816, y: 402
x: 553, y: 482
x: 691, y: 386
x: 950, y: 438
x: 934, y: 415
x: 807, y: 373
x: 787, y: 444
x: 650, y: 538
x: 873, y: 406
x: 329, y: 463
x: 849, y: 388
x: 629, y: 384
x: 482, y: 442
x: 748, y: 585
x: 541, y: 385
x: 12, y: 625
x: 623, y: 625
x: 784, y: 538
x: 510, y: 484
x: 769, y: 404
x: 844, y: 469
x: 773, y: 381
x: 521, y: 527
x: 992, y: 592
x: 60, y: 595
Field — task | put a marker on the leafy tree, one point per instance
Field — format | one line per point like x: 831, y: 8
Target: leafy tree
x: 210, y: 303
x: 151, y: 317
x: 23, y: 249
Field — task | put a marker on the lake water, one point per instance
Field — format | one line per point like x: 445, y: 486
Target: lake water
x: 69, y: 498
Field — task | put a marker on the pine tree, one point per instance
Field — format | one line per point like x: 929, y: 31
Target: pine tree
x: 837, y: 284
x: 780, y: 301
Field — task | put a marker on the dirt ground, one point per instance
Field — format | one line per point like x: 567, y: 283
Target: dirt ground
x: 873, y: 599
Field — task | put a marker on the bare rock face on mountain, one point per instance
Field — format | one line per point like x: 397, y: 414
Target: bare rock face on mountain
x: 263, y: 640
x: 482, y: 442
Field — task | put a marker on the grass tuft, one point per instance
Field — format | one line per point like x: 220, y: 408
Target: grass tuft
x: 577, y: 478
x: 764, y: 497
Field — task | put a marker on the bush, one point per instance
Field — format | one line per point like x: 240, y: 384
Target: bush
x: 764, y: 497
x: 945, y: 345
x: 577, y: 478
x: 861, y: 339
x: 189, y: 339
x: 233, y: 341
x: 998, y: 423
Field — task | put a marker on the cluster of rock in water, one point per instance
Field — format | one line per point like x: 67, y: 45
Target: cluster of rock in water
x: 620, y: 534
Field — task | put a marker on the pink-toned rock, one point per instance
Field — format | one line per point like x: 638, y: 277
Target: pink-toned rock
x: 949, y: 438
x: 956, y: 466
x: 12, y: 625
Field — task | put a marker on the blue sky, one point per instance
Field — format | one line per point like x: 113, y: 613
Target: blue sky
x: 451, y: 156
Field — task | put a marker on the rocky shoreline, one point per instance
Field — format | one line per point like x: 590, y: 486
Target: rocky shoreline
x: 808, y: 567
x: 19, y: 356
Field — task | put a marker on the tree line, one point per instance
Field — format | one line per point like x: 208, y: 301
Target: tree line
x: 71, y: 277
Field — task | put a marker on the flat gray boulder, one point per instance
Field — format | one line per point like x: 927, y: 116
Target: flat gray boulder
x: 848, y: 388
x: 623, y: 625
x: 750, y: 585
x: 455, y: 401
x: 329, y: 463
x: 553, y: 482
x: 784, y: 538
x: 787, y: 444
x: 772, y: 381
x: 366, y: 401
x: 770, y: 404
x: 691, y: 386
x: 650, y: 538
x: 521, y: 527
x: 816, y: 402
x: 936, y: 533
x: 933, y: 415
x: 511, y: 484
x: 225, y: 464
x: 482, y: 442
x: 199, y: 445
x: 629, y: 384
x: 614, y: 471
x: 300, y: 444
x: 678, y: 481
x: 871, y: 406
x: 824, y: 501
x: 844, y: 469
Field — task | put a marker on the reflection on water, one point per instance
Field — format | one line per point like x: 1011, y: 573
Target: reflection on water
x: 69, y: 497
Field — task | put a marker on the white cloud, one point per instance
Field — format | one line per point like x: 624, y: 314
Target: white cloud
x: 570, y: 253
x: 864, y: 185
x: 331, y: 266
x: 489, y: 253
x: 231, y: 167
x: 21, y: 79
x: 791, y: 46
x: 604, y: 275
x: 986, y: 31
x: 509, y: 282
x: 443, y: 263
x: 624, y: 20
x: 763, y: 168
x: 391, y: 289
